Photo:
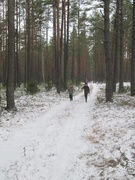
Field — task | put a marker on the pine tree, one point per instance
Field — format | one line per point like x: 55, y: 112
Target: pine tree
x: 11, y: 49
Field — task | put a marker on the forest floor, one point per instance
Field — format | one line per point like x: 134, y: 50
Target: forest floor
x: 52, y: 138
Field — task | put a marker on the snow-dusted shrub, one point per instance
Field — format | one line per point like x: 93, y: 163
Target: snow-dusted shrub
x: 32, y: 88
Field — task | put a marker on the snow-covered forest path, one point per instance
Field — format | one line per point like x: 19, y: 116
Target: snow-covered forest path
x: 50, y: 146
x: 51, y: 138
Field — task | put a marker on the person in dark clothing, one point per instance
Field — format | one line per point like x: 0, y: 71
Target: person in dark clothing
x: 86, y: 91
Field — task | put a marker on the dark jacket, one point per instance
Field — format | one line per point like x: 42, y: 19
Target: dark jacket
x: 86, y: 89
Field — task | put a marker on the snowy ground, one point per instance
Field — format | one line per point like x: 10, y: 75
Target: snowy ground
x: 51, y: 138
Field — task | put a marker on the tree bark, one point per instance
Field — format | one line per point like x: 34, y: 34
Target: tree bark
x: 66, y: 48
x: 11, y: 56
x: 57, y: 65
x: 109, y: 84
x: 116, y: 54
x: 28, y: 71
x: 121, y: 48
x: 133, y: 55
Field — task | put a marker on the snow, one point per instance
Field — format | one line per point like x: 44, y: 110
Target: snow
x: 52, y: 138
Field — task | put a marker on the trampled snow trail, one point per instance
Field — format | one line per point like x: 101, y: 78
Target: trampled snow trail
x: 69, y: 144
x: 50, y: 148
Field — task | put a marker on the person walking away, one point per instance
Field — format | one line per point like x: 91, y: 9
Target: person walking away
x: 70, y: 91
x: 86, y: 91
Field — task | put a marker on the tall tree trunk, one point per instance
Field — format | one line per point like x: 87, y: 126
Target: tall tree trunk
x: 61, y: 38
x: 17, y: 57
x: 78, y: 53
x: 47, y: 64
x: 121, y: 48
x: 32, y: 45
x: 55, y: 43
x: 28, y: 40
x: 116, y: 54
x: 4, y: 49
x: 66, y: 49
x: 57, y: 57
x: 19, y: 49
x: 133, y: 55
x: 109, y: 84
x: 11, y: 49
x: 73, y: 68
